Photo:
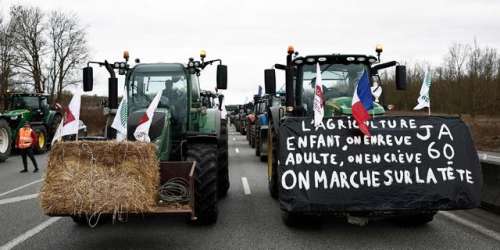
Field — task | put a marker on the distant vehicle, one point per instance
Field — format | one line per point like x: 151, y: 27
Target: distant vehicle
x: 33, y: 108
x: 261, y: 128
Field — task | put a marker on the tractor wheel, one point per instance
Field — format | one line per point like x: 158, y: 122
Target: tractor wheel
x: 252, y: 138
x: 223, y: 161
x: 41, y: 145
x: 249, y: 132
x: 53, y: 126
x: 5, y: 140
x: 205, y: 178
x: 257, y: 144
x: 272, y: 162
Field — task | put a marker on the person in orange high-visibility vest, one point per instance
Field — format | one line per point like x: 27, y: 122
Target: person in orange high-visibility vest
x: 26, y: 139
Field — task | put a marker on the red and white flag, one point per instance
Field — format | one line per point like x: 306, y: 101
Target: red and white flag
x: 319, y: 102
x: 141, y: 133
x: 71, y: 120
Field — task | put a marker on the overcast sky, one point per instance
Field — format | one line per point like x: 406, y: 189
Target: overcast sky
x: 252, y: 35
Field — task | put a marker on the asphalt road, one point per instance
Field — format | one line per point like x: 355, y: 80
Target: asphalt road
x: 246, y: 221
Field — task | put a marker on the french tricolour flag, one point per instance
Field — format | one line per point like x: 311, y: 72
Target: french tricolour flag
x: 362, y: 101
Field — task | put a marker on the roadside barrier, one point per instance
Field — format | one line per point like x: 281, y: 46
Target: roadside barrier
x: 490, y: 194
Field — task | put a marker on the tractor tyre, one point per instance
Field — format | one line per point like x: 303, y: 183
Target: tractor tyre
x: 53, y: 126
x: 205, y: 156
x: 272, y: 162
x: 252, y: 138
x: 5, y: 140
x: 41, y: 144
x: 223, y: 161
x: 257, y: 144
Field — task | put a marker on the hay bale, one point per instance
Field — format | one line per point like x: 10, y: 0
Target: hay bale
x: 94, y: 177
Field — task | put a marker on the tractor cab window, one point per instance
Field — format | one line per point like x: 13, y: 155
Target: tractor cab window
x: 173, y: 88
x: 172, y: 85
x: 25, y: 102
x: 43, y: 103
x: 195, y: 86
x: 262, y: 108
x: 338, y: 80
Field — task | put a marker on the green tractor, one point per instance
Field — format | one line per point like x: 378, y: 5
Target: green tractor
x: 213, y: 102
x: 31, y: 108
x: 183, y: 130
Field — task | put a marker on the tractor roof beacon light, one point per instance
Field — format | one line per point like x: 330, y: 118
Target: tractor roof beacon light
x: 290, y: 50
x: 379, y: 49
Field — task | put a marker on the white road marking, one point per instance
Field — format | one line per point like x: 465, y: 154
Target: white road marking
x: 18, y: 199
x: 481, y: 229
x: 21, y: 187
x: 237, y: 150
x: 246, y: 187
x: 234, y: 139
x: 28, y: 234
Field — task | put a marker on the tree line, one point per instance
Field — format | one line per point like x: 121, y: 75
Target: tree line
x: 466, y: 82
x: 40, y: 51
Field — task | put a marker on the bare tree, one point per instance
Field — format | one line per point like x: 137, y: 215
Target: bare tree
x: 68, y: 45
x: 28, y: 32
x: 456, y: 59
x: 6, y: 58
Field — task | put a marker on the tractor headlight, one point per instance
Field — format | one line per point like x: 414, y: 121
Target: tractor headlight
x: 13, y: 118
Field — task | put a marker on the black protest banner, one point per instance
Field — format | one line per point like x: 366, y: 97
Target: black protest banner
x: 416, y: 163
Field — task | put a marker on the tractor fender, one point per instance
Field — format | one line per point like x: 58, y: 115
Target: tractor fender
x: 274, y: 116
x: 210, y: 122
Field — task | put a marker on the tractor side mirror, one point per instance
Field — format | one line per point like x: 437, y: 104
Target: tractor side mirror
x: 221, y: 76
x: 88, y: 79
x: 401, y: 77
x: 270, y: 81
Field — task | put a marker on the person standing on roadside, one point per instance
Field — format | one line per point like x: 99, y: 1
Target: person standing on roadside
x: 25, y: 140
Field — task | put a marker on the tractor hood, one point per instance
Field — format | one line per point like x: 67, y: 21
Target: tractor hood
x: 342, y: 105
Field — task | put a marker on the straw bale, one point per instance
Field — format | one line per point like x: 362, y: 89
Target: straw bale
x: 95, y: 177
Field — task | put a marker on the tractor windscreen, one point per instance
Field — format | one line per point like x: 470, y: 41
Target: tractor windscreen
x: 339, y: 80
x: 24, y: 102
x: 173, y: 87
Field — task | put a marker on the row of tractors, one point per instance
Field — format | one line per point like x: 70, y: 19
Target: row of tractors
x: 189, y: 127
x: 251, y: 119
